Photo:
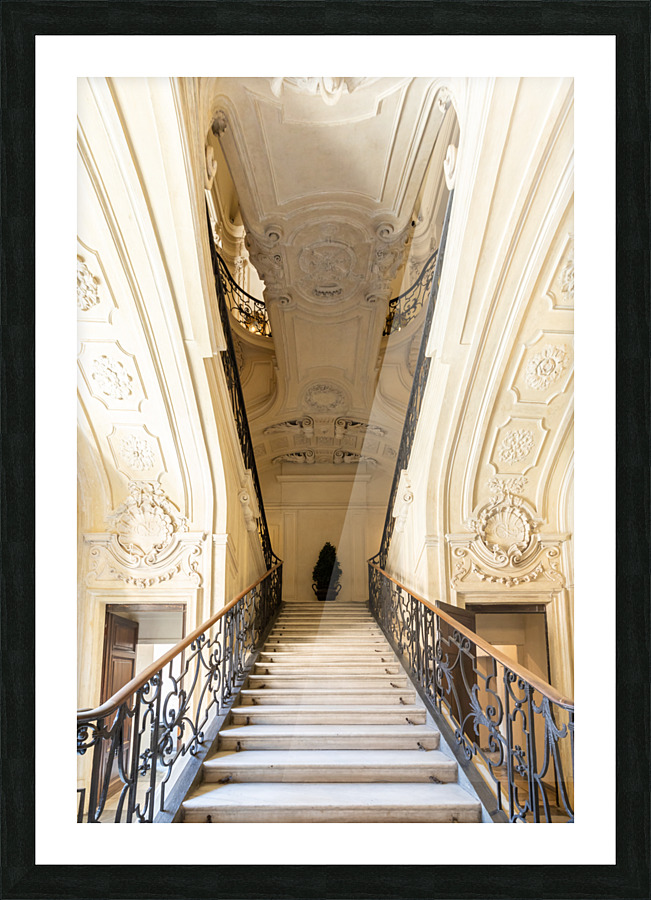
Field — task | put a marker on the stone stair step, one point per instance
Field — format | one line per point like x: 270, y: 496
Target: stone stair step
x: 340, y: 696
x: 362, y: 766
x: 327, y: 645
x: 328, y: 737
x: 338, y: 618
x: 313, y: 714
x: 325, y: 631
x: 328, y: 653
x: 331, y: 803
x: 323, y: 682
x: 327, y: 622
x: 313, y: 667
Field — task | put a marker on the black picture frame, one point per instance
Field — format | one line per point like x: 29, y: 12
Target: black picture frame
x: 628, y: 724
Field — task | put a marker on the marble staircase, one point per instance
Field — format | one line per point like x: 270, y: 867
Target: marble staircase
x: 328, y: 729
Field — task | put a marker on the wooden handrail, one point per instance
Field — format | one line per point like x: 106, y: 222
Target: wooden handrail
x: 110, y: 705
x: 542, y: 686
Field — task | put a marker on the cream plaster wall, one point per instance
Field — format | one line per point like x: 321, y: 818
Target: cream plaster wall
x: 503, y: 303
x: 154, y: 407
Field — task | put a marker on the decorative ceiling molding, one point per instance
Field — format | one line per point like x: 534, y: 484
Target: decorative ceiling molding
x: 136, y: 452
x: 325, y: 397
x: 111, y: 375
x: 330, y: 90
x: 544, y: 368
x: 95, y: 300
x: 517, y: 445
x: 303, y: 426
x: 87, y: 292
x: 348, y: 458
x: 344, y: 426
x: 299, y: 457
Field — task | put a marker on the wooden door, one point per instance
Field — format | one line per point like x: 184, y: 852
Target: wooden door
x: 119, y: 667
x: 463, y: 674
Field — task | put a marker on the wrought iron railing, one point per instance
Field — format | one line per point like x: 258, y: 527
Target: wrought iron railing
x: 516, y: 729
x: 229, y: 362
x: 406, y: 306
x: 419, y: 383
x: 143, y: 738
x: 249, y: 311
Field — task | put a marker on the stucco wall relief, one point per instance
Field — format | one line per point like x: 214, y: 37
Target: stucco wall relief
x: 137, y: 452
x: 95, y: 301
x: 544, y: 368
x: 560, y: 289
x: 517, y: 445
x: 87, y: 286
x: 111, y: 375
x: 505, y: 547
x: 148, y: 544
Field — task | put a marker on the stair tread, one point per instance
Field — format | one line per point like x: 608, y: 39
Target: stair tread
x: 319, y: 692
x: 272, y: 708
x: 320, y: 759
x: 307, y: 677
x: 295, y: 730
x: 330, y: 795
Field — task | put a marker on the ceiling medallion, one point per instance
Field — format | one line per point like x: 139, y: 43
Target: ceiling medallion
x: 325, y: 397
x: 327, y: 264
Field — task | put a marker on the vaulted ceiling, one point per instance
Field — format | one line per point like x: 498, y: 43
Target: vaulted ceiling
x: 338, y: 185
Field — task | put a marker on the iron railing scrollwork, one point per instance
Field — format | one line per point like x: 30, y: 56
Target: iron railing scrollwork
x: 517, y: 730
x: 419, y: 383
x: 406, y: 306
x: 224, y: 284
x: 144, y: 735
x: 249, y: 311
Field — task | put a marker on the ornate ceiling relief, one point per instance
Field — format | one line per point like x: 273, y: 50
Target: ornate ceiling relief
x: 329, y: 90
x: 111, y: 378
x: 111, y: 375
x: 389, y: 253
x: 267, y: 257
x: 567, y: 282
x: 345, y: 426
x: 304, y: 426
x: 95, y: 300
x: 87, y: 291
x: 325, y: 397
x: 561, y: 285
x: 137, y: 452
x: 326, y: 261
x: 517, y: 445
x: 328, y: 265
x: 149, y: 542
x: 546, y: 367
x: 300, y: 457
x: 344, y: 456
x: 506, y: 548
